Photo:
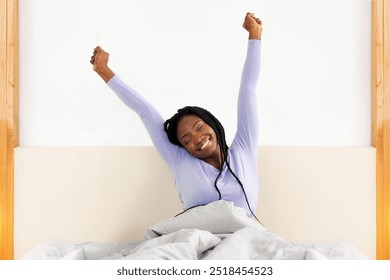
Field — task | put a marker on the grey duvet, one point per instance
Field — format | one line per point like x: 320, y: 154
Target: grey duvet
x: 217, y: 231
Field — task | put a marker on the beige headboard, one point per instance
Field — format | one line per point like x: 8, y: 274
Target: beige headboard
x: 111, y: 194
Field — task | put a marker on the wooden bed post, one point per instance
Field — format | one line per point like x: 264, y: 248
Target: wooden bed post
x: 9, y: 115
x: 381, y: 120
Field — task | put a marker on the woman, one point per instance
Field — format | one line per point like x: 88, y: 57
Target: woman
x: 193, y: 143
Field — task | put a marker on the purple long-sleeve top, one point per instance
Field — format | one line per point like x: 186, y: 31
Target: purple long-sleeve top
x: 194, y: 178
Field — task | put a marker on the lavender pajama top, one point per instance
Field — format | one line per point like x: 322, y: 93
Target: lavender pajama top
x: 195, y: 178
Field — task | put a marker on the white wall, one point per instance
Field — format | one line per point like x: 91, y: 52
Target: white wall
x: 315, y: 80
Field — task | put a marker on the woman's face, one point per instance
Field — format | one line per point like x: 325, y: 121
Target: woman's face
x: 197, y: 137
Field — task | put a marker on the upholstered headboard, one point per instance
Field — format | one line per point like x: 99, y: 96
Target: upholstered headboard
x: 111, y: 194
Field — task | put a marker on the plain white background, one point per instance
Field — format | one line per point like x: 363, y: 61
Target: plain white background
x: 314, y: 87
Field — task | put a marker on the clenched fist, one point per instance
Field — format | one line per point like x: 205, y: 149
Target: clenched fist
x: 99, y: 60
x: 253, y: 25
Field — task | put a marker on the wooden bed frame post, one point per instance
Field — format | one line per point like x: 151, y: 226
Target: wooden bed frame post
x: 9, y: 115
x: 381, y: 120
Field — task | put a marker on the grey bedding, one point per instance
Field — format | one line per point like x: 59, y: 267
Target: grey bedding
x: 217, y: 231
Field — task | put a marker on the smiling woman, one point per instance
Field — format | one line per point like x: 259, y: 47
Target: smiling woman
x: 193, y: 139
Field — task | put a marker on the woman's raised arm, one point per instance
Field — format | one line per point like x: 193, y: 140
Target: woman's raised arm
x: 247, y: 118
x: 150, y: 117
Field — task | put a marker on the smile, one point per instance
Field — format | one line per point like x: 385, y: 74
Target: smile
x: 204, y: 144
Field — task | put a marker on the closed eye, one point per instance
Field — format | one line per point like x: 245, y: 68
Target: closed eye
x: 185, y: 141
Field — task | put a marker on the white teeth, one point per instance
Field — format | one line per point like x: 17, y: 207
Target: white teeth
x: 204, y: 144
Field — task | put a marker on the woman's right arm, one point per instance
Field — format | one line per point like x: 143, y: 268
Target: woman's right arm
x: 151, y: 118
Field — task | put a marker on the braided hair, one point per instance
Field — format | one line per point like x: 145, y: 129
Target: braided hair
x: 170, y: 127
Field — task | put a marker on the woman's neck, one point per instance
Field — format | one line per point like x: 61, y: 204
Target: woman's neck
x: 217, y: 163
x: 217, y: 160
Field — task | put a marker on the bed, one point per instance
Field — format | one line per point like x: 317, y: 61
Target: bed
x: 120, y: 203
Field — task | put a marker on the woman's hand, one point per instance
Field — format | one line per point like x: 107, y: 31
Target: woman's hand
x: 253, y: 26
x: 99, y: 60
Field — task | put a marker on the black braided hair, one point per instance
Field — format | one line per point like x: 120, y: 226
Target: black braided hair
x: 170, y: 127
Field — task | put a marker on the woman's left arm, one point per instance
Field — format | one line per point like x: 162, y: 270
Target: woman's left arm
x: 247, y: 120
